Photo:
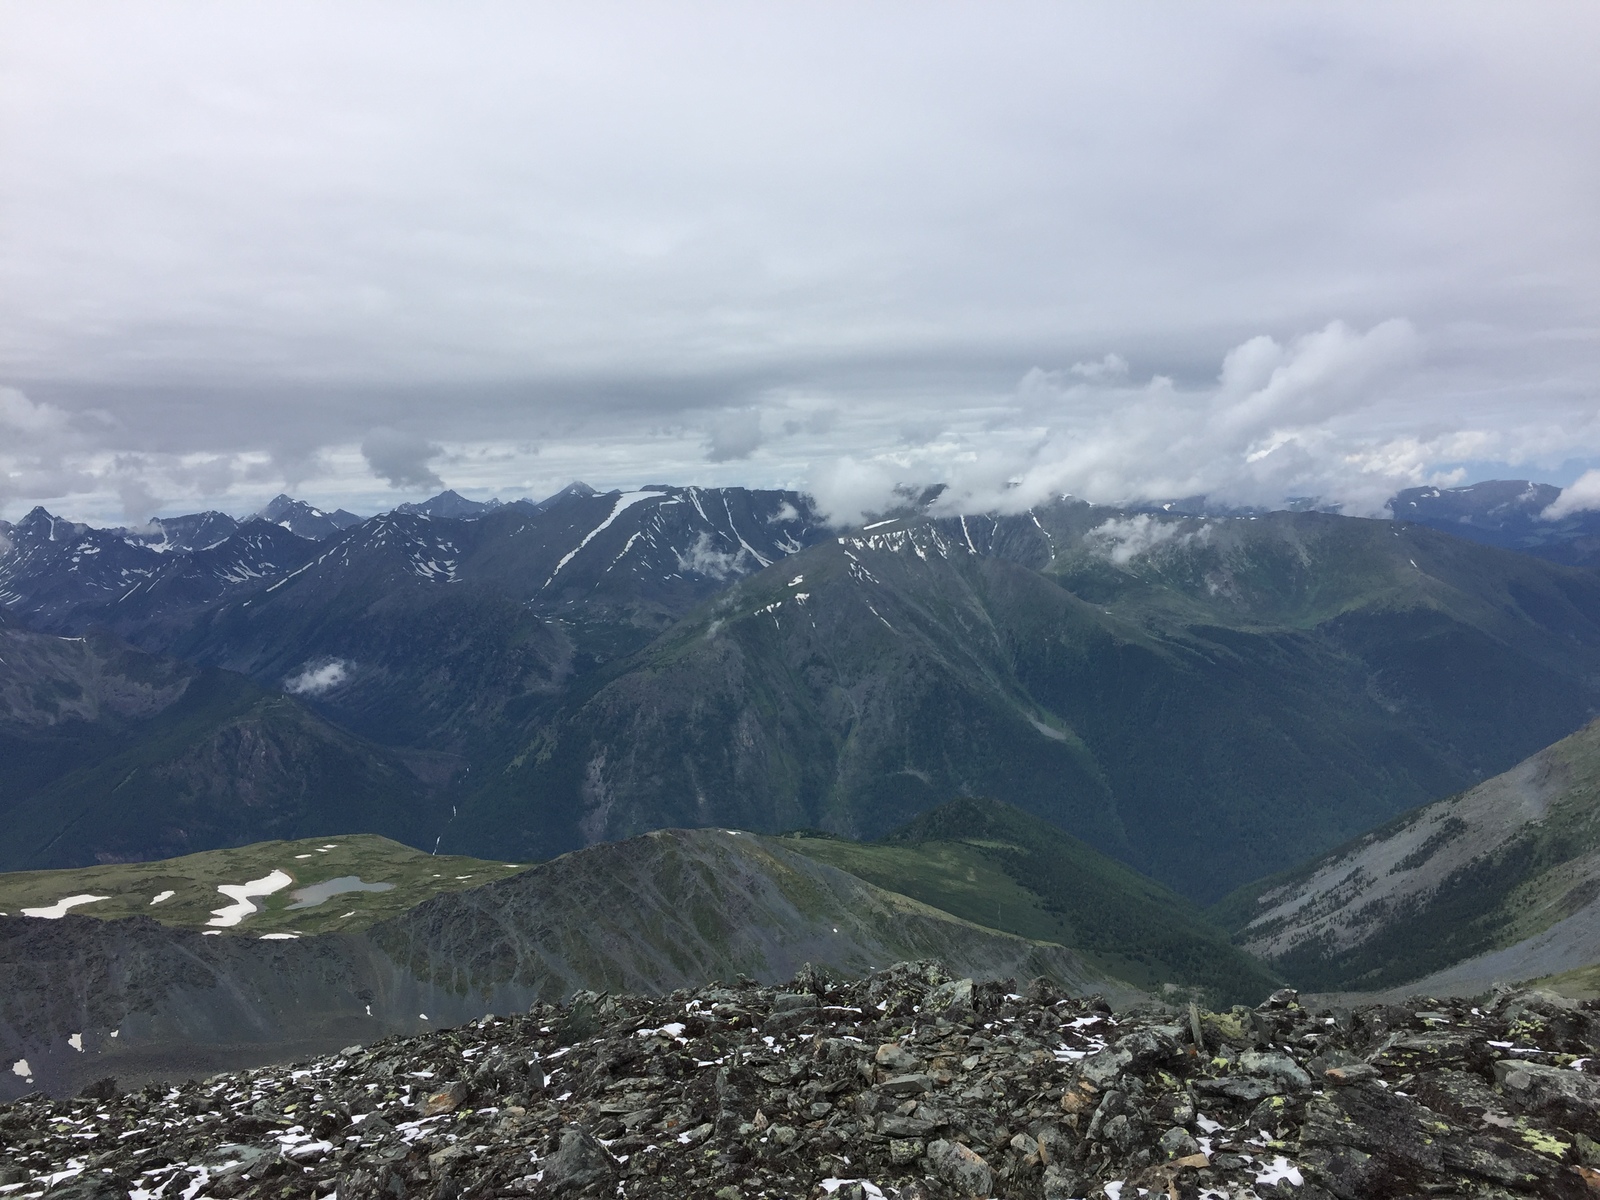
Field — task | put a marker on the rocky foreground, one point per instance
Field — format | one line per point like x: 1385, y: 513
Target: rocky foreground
x: 905, y: 1084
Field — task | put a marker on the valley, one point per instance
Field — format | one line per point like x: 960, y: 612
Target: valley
x: 1053, y: 737
x: 1497, y: 883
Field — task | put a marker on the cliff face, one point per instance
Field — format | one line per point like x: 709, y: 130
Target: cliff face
x: 81, y: 998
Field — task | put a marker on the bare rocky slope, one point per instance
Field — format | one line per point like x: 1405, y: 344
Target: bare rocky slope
x: 1498, y: 883
x: 81, y: 997
x: 907, y: 1085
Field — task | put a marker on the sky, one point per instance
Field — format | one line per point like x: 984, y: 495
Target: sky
x: 1123, y: 251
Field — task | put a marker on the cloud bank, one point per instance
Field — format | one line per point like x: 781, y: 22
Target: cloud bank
x: 359, y: 250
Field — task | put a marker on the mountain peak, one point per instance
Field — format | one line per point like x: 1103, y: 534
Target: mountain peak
x: 303, y: 519
x: 576, y: 490
x: 40, y: 522
x: 450, y: 503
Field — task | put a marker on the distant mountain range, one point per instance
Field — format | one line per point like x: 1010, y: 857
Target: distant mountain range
x: 1508, y: 513
x: 1031, y: 741
x: 111, y: 754
x: 1203, y: 698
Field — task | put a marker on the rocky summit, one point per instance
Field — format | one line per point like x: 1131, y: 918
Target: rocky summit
x: 904, y: 1084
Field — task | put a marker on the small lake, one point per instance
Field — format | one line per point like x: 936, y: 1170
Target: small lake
x: 318, y: 893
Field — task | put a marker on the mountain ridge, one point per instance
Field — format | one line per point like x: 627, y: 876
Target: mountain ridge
x: 1499, y: 881
x: 671, y: 908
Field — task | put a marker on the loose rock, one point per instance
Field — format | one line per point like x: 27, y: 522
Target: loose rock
x: 907, y: 1085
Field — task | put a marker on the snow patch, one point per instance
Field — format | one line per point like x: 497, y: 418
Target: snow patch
x: 1281, y: 1170
x: 162, y: 897
x: 243, y: 894
x: 59, y: 909
x: 623, y: 501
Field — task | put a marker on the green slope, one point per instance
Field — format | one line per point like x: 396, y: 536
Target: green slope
x: 996, y: 865
x: 1484, y: 871
x: 129, y: 888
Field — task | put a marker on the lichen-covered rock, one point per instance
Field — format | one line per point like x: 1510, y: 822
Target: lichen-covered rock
x: 906, y: 1085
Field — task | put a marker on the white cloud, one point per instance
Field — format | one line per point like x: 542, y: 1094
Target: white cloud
x: 22, y: 417
x: 1123, y: 539
x: 246, y: 244
x: 1582, y: 496
x: 316, y: 678
x: 705, y: 559
x: 1280, y: 420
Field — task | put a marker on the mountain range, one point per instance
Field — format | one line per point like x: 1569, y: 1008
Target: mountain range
x: 1505, y: 512
x: 1093, y: 720
x: 1203, y: 698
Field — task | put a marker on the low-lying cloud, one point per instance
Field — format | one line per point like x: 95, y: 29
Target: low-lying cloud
x: 1280, y: 420
x: 317, y: 678
x: 1582, y: 496
x: 1123, y: 539
x: 703, y: 558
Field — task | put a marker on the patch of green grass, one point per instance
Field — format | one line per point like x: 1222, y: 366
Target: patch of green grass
x: 193, y: 879
x: 1583, y: 983
x: 995, y: 865
x: 957, y: 878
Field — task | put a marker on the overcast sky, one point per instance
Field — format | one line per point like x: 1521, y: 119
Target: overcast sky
x: 1124, y: 251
